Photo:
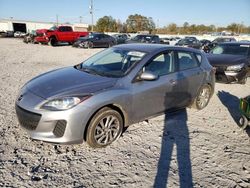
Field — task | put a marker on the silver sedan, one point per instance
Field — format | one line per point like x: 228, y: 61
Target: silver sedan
x: 122, y: 85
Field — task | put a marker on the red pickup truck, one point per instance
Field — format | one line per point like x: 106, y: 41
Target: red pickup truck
x: 58, y: 34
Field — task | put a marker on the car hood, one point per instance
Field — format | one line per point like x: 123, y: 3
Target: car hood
x: 41, y: 30
x: 68, y: 82
x: 225, y: 59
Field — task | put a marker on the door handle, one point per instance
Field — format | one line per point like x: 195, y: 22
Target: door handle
x: 173, y: 82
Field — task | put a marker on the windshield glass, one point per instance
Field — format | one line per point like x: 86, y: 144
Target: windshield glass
x: 231, y: 49
x: 113, y: 62
x: 53, y: 28
x: 185, y: 41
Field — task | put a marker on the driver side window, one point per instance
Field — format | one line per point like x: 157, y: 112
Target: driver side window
x: 162, y: 64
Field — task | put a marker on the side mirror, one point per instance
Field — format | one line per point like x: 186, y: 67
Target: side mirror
x: 148, y: 76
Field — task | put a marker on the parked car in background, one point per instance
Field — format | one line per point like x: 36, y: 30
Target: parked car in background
x: 205, y: 45
x: 144, y: 38
x: 218, y: 40
x: 232, y: 61
x: 223, y: 39
x: 30, y: 37
x: 120, y: 38
x: 59, y: 34
x: 7, y: 34
x: 113, y: 89
x: 19, y: 34
x: 189, y: 42
x: 165, y: 40
x: 95, y: 40
x: 191, y: 38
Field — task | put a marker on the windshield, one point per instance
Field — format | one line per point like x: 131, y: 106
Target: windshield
x: 113, y: 62
x: 53, y: 28
x: 231, y: 49
x: 186, y: 41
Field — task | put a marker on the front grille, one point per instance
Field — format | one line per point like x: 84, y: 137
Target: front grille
x: 27, y: 119
x: 60, y: 128
x: 39, y: 34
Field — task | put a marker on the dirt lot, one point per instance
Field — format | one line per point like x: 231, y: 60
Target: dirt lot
x: 189, y: 148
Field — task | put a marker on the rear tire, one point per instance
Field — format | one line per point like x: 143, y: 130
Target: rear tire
x: 104, y: 128
x: 203, y: 97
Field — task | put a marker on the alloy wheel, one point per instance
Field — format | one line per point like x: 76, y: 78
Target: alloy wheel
x: 203, y: 97
x: 107, y: 130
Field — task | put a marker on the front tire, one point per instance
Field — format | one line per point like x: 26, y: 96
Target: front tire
x: 104, y: 128
x: 202, y: 98
x: 88, y: 44
x: 52, y: 41
x: 243, y: 122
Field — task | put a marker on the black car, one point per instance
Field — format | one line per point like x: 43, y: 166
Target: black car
x: 207, y: 47
x: 165, y: 40
x: 144, y: 39
x: 120, y: 38
x: 232, y: 61
x: 95, y: 40
x: 189, y: 42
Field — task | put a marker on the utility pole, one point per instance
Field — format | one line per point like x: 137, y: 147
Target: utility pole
x: 80, y: 19
x: 57, y: 20
x: 91, y: 11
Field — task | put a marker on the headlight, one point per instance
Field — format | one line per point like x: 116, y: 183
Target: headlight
x: 64, y: 103
x: 235, y: 67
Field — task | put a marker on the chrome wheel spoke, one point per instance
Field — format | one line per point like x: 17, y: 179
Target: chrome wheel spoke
x: 111, y: 136
x: 106, y: 139
x: 102, y: 123
x: 203, y: 97
x: 107, y: 130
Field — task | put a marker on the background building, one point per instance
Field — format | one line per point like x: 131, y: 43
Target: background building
x: 28, y: 26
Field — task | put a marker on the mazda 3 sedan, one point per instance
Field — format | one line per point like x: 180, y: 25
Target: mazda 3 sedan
x: 95, y: 100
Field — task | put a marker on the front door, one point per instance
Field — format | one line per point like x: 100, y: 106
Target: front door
x: 154, y: 97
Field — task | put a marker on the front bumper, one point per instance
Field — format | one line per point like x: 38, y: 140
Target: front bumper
x: 224, y: 76
x: 41, y: 39
x: 66, y: 127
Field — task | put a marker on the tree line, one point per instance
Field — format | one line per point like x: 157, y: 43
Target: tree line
x: 138, y: 23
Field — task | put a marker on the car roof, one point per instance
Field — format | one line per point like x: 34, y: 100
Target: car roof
x: 148, y: 48
x: 235, y: 43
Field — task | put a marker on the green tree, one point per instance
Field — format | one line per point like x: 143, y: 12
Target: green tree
x: 233, y: 27
x: 138, y: 22
x: 172, y: 28
x: 106, y: 24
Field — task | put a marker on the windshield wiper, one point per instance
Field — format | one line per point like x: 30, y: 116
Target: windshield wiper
x: 90, y: 71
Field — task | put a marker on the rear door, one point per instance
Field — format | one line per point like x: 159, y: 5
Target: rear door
x: 189, y: 77
x: 66, y: 34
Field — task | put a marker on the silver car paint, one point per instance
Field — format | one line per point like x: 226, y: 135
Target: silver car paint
x: 130, y: 96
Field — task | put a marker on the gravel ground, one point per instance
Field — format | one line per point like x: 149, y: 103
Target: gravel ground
x: 186, y: 149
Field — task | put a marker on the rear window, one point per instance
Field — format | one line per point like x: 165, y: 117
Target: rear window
x: 186, y: 61
x: 198, y: 57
